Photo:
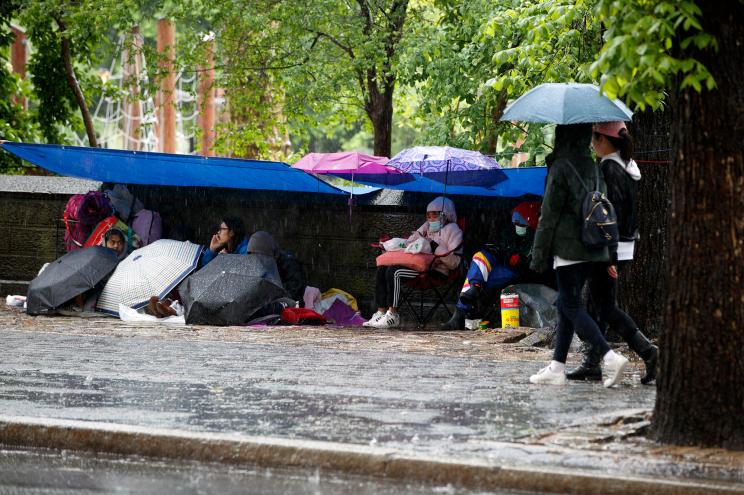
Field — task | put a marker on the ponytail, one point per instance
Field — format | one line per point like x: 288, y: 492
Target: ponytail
x: 623, y: 145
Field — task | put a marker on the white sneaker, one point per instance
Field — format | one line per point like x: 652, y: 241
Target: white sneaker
x: 613, y: 366
x: 547, y: 376
x: 374, y: 319
x: 389, y: 320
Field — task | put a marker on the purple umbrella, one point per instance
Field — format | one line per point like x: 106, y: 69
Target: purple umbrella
x: 453, y: 166
x: 353, y: 166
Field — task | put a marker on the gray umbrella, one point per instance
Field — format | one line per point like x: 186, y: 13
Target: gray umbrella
x: 230, y: 289
x: 70, y: 275
x: 566, y: 103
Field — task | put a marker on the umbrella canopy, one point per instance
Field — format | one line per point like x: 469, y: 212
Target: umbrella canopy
x: 449, y: 165
x: 566, y: 103
x: 153, y: 270
x: 69, y: 276
x: 353, y: 165
x: 230, y: 289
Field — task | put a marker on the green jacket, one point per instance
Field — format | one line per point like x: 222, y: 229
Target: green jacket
x: 559, y: 230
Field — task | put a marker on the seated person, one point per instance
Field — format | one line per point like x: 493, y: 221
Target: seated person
x: 442, y: 231
x: 229, y: 238
x: 496, y: 265
x: 290, y: 268
x: 116, y: 240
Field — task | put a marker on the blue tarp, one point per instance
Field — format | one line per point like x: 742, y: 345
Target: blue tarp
x: 165, y: 169
x: 520, y: 181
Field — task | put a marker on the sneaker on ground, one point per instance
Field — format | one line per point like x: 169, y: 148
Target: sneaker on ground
x: 374, y: 319
x: 614, y: 365
x: 547, y: 376
x: 389, y: 320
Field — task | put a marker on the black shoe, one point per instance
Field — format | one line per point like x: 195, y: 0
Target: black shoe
x: 648, y: 352
x: 472, y: 295
x: 589, y: 369
x: 588, y: 372
x: 457, y: 322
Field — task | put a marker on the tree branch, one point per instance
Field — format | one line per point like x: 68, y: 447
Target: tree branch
x: 75, y: 86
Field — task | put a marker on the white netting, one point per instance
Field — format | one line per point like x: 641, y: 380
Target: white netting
x: 132, y: 122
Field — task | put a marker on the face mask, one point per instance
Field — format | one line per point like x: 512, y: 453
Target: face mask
x: 435, y: 226
x: 521, y: 230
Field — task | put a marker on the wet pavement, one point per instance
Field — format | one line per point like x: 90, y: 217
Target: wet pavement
x: 35, y: 471
x: 458, y: 395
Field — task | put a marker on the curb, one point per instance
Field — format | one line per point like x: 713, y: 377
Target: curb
x: 360, y: 460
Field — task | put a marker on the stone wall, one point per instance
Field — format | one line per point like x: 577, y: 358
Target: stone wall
x: 332, y: 239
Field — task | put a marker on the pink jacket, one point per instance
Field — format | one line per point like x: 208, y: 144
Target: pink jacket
x: 447, y: 238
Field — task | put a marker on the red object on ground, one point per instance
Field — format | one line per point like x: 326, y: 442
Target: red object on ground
x: 302, y: 316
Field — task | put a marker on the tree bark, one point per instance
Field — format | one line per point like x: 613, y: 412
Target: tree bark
x: 75, y: 87
x: 378, y: 84
x: 700, y: 399
x: 641, y: 288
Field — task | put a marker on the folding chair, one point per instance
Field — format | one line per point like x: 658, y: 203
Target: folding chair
x: 438, y: 288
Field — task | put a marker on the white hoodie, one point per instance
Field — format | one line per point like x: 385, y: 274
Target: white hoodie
x: 625, y: 249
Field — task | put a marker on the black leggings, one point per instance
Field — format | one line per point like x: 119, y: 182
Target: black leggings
x: 388, y: 284
x: 603, y: 290
x: 572, y: 312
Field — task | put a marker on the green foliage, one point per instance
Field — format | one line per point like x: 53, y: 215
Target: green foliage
x: 647, y: 44
x: 86, y: 24
x: 289, y: 64
x: 471, y: 58
x: 15, y: 123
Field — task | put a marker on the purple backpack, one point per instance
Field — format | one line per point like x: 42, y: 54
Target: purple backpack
x: 148, y: 226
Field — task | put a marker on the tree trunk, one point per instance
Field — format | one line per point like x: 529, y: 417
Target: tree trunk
x: 700, y: 399
x: 75, y: 87
x: 380, y: 112
x: 641, y: 288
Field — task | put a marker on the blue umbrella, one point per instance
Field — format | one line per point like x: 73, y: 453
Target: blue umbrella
x: 450, y: 166
x: 566, y: 103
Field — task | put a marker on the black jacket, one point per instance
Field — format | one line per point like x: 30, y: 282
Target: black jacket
x: 622, y: 192
x: 559, y: 230
x: 292, y: 274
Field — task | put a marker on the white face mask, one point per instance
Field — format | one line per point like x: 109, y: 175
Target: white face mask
x: 520, y: 230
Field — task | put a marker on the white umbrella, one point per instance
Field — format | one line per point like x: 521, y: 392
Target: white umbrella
x: 153, y: 270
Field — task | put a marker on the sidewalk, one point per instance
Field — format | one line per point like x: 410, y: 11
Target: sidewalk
x: 453, y: 408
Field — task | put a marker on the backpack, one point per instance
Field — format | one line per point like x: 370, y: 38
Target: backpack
x: 148, y: 226
x: 82, y: 214
x: 599, y: 228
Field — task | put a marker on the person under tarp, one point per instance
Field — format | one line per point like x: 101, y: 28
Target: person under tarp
x: 505, y: 260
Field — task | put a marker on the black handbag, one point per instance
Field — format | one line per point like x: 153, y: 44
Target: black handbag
x: 599, y: 228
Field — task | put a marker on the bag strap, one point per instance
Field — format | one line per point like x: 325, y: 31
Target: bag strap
x: 583, y: 184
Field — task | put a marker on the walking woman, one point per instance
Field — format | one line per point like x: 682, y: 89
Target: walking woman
x: 614, y: 147
x: 558, y: 240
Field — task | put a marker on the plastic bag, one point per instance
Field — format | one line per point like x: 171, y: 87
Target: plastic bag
x: 420, y: 245
x: 132, y: 315
x: 394, y: 244
x: 536, y: 305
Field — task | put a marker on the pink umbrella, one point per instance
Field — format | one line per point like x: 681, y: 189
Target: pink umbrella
x: 345, y: 161
x: 352, y: 165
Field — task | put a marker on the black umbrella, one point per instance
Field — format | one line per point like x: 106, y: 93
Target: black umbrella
x: 68, y: 276
x: 230, y: 289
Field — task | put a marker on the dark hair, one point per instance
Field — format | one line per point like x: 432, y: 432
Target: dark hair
x: 570, y: 139
x: 238, y: 227
x: 112, y: 232
x: 623, y: 145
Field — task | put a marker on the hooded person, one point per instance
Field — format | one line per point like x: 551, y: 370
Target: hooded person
x: 290, y: 268
x: 496, y: 265
x: 441, y: 230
